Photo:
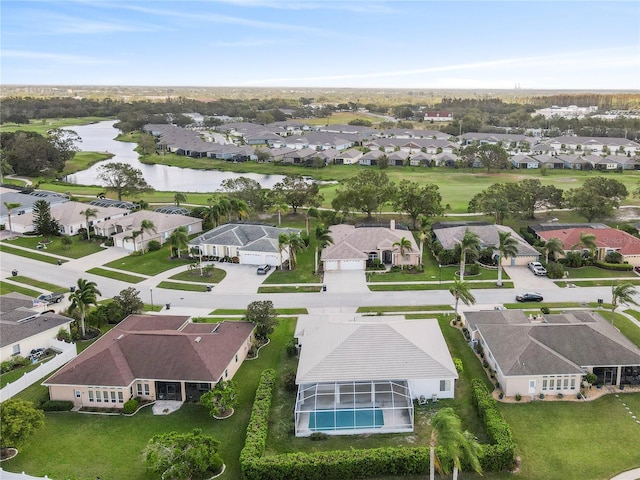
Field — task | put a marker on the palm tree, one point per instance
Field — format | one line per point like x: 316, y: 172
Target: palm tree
x: 146, y: 226
x: 89, y: 213
x: 282, y: 241
x: 507, y: 247
x: 10, y: 206
x: 279, y: 208
x: 423, y: 234
x: 404, y: 244
x: 212, y: 212
x: 224, y: 207
x: 469, y: 244
x: 461, y: 291
x: 179, y: 198
x: 134, y: 234
x: 323, y: 238
x: 445, y: 427
x: 467, y: 451
x: 622, y: 293
x: 295, y: 244
x: 312, y: 212
x: 179, y: 239
x: 587, y: 240
x: 84, y: 295
x: 554, y: 246
x: 239, y: 207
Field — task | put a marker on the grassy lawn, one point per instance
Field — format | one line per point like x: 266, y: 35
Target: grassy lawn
x: 595, y: 272
x: 82, y: 161
x: 151, y: 263
x: 52, y: 287
x: 6, y: 287
x: 280, y: 311
x: 116, y: 453
x: 634, y: 313
x: 538, y: 306
x: 596, y: 283
x: 291, y: 289
x: 189, y: 287
x: 4, y: 248
x: 432, y: 274
x: 567, y: 440
x: 79, y: 248
x: 627, y: 327
x: 42, y: 126
x: 431, y: 286
x: 124, y: 277
x: 194, y: 276
x: 406, y: 308
x: 303, y: 273
x: 15, y: 374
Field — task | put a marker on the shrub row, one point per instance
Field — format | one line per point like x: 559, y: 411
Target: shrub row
x: 130, y: 406
x: 620, y: 267
x: 57, y: 406
x: 501, y: 453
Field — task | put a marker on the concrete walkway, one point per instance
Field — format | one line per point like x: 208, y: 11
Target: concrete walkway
x: 629, y: 475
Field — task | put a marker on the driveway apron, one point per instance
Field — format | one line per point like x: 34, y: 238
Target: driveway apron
x: 346, y: 281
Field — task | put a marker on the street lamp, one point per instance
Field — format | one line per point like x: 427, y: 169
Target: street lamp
x: 151, y: 293
x: 440, y: 273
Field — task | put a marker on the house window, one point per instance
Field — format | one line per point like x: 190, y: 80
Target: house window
x: 78, y: 394
x: 105, y: 396
x: 445, y: 385
x: 98, y: 398
x: 236, y: 358
x: 120, y: 397
x: 226, y: 373
x: 552, y: 383
x: 139, y: 389
x: 113, y: 397
x: 90, y: 392
x: 566, y: 383
x: 131, y: 391
x: 146, y: 389
x: 544, y: 383
x: 16, y: 349
x: 573, y: 383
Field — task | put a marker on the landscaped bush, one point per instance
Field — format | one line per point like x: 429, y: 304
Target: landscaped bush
x: 613, y: 257
x: 290, y: 381
x: 473, y: 269
x: 545, y: 310
x: 620, y: 267
x: 130, y: 406
x: 57, y: 406
x: 458, y: 364
x: 153, y: 245
x: 292, y: 347
x: 518, y: 397
x: 555, y: 270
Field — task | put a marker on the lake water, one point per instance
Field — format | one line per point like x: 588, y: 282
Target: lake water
x: 100, y: 137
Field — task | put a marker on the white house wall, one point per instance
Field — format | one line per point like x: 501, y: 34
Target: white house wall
x: 40, y: 340
x: 428, y: 388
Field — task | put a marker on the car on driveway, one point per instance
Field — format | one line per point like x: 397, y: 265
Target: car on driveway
x: 529, y: 297
x: 537, y: 268
x: 263, y: 269
x: 49, y: 298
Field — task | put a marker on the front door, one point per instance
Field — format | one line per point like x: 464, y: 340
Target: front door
x: 171, y: 392
x: 532, y: 386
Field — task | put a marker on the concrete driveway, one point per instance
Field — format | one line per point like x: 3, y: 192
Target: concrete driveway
x: 240, y: 279
x: 346, y: 281
x: 525, y: 281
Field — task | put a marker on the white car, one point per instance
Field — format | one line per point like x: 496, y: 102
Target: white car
x: 537, y: 268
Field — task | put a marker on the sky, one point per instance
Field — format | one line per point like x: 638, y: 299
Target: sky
x: 322, y: 43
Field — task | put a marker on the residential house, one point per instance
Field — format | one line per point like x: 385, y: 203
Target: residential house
x: 153, y: 357
x: 524, y: 161
x: 26, y: 327
x: 398, y: 159
x: 438, y: 116
x: 359, y: 374
x: 370, y: 159
x: 250, y: 243
x: 348, y: 157
x: 445, y: 160
x: 354, y: 246
x: 127, y: 232
x: 550, y: 161
x: 25, y: 198
x: 421, y: 159
x: 550, y: 354
x: 599, y: 145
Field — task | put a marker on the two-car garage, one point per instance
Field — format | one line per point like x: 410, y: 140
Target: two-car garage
x: 333, y: 265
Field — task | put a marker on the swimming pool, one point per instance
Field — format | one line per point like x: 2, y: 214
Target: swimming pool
x: 346, y: 419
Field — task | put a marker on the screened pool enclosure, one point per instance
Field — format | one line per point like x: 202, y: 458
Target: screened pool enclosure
x: 347, y: 408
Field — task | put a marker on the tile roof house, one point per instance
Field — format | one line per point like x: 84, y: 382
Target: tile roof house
x: 353, y: 246
x: 607, y: 240
x: 359, y: 374
x: 25, y: 327
x: 252, y: 244
x: 551, y: 354
x: 154, y: 357
x: 450, y: 236
x: 26, y: 201
x: 125, y: 230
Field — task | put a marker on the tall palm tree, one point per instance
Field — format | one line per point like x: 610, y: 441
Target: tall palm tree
x: 282, y: 242
x: 89, y: 213
x: 224, y: 207
x: 146, y: 226
x: 84, y: 295
x: 622, y: 293
x: 134, y: 234
x: 468, y: 245
x: 212, y: 212
x: 467, y: 451
x: 179, y: 198
x: 445, y: 427
x: 279, y: 208
x: 404, y: 245
x: 10, y: 206
x: 588, y: 241
x: 312, y: 212
x: 323, y: 238
x: 461, y: 291
x: 240, y: 208
x: 508, y: 248
x: 295, y: 244
x: 554, y: 246
x: 423, y: 233
x: 179, y: 239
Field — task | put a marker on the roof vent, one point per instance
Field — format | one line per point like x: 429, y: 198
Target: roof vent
x: 197, y: 340
x: 121, y: 335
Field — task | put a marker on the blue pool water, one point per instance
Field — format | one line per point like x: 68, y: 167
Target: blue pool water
x: 346, y: 419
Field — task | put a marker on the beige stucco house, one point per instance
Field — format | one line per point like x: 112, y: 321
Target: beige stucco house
x: 151, y: 357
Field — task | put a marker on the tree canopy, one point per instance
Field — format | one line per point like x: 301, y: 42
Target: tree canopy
x: 415, y: 200
x: 264, y: 315
x: 597, y: 197
x: 296, y: 192
x: 43, y: 222
x: 30, y: 153
x: 367, y: 192
x: 123, y: 179
x: 19, y: 420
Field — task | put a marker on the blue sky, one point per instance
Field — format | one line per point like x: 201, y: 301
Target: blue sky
x: 384, y: 44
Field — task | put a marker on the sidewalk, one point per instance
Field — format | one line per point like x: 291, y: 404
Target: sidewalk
x: 629, y: 475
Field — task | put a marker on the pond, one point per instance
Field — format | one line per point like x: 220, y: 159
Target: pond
x: 100, y: 137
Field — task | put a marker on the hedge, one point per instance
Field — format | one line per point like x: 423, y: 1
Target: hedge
x: 57, y: 406
x: 352, y: 464
x: 620, y: 267
x: 501, y: 453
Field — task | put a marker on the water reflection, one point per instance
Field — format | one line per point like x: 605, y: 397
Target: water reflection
x: 100, y: 137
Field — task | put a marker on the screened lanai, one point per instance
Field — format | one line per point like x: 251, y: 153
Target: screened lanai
x: 347, y: 408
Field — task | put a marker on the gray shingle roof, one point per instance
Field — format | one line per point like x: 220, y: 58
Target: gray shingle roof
x: 249, y: 237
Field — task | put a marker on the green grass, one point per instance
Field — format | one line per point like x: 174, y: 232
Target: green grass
x: 595, y: 272
x: 189, y: 287
x: 15, y: 374
x: 280, y: 311
x: 151, y: 263
x: 79, y: 248
x: 430, y: 286
x: 82, y: 161
x: 124, y: 277
x: 433, y: 275
x: 194, y: 276
x: 52, y: 287
x: 551, y: 305
x: 567, y: 440
x: 634, y: 313
x: 42, y: 126
x: 406, y: 308
x: 117, y: 441
x: 595, y: 283
x: 6, y: 287
x: 4, y: 248
x: 626, y: 326
x: 290, y: 289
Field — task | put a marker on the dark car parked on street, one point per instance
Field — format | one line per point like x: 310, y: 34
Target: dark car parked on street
x: 529, y: 297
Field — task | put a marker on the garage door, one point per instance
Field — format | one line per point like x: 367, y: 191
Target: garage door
x: 331, y: 265
x: 351, y: 264
x: 248, y: 258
